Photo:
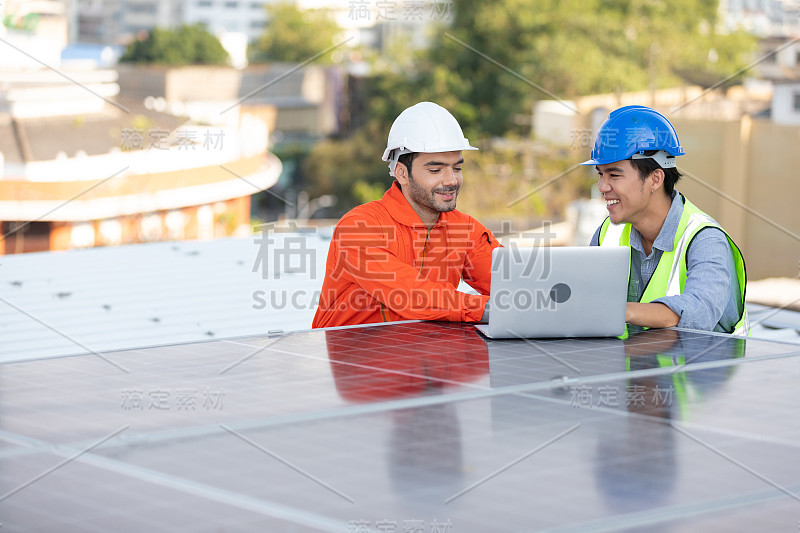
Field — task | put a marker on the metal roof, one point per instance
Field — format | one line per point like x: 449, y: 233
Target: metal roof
x: 101, y: 299
x: 774, y: 323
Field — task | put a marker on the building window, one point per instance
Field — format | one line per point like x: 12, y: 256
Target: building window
x: 257, y: 24
x: 25, y: 237
x: 257, y: 5
x: 142, y: 9
x: 797, y: 101
x: 205, y: 3
x: 231, y: 5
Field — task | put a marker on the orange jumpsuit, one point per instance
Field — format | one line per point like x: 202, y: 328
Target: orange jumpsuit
x: 383, y: 265
x: 369, y: 364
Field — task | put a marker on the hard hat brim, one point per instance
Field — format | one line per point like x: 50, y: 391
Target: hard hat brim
x: 388, y: 151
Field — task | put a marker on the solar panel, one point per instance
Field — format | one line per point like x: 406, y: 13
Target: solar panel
x: 420, y: 426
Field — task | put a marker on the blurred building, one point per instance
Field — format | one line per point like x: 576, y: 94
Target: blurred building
x: 366, y: 23
x: 786, y: 102
x: 780, y: 69
x: 82, y: 165
x: 765, y: 18
x: 244, y: 17
x: 120, y: 21
x: 297, y: 104
x: 39, y: 28
x: 376, y: 24
x: 781, y: 58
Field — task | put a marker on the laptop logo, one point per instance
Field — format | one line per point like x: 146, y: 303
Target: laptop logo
x: 560, y: 293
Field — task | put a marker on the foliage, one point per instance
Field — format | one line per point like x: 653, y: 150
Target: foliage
x: 500, y: 183
x: 294, y: 36
x: 523, y: 183
x: 492, y: 64
x: 498, y: 58
x: 187, y: 45
x: 351, y: 169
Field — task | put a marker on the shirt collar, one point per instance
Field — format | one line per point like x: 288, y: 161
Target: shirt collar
x: 401, y: 210
x: 666, y: 237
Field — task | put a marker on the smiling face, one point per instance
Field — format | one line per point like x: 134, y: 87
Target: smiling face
x: 628, y: 197
x: 431, y: 186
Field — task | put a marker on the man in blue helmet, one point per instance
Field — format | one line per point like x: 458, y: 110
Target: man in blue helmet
x: 685, y: 270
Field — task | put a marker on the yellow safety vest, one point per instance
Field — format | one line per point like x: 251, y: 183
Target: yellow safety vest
x: 669, y: 277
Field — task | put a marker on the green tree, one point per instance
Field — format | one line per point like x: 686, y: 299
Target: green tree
x: 497, y: 58
x: 186, y: 45
x: 293, y: 36
x: 351, y: 169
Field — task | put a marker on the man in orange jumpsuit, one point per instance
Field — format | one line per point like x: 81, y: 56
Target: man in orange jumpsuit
x: 403, y: 256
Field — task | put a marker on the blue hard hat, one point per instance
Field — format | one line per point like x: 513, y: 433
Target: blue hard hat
x: 633, y: 129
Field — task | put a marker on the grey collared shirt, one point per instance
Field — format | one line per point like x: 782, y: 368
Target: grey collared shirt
x: 711, y: 297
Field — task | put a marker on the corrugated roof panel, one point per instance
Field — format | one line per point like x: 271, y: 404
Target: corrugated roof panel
x: 157, y: 293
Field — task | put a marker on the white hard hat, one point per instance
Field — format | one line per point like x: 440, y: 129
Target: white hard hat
x: 425, y: 127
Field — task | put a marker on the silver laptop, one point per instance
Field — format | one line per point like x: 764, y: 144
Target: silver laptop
x: 576, y: 291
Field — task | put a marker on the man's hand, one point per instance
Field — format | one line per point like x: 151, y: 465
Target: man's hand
x: 652, y: 315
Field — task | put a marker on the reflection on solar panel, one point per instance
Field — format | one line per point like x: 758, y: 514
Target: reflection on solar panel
x: 424, y: 427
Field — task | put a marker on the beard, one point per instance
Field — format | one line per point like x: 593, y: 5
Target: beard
x: 428, y: 199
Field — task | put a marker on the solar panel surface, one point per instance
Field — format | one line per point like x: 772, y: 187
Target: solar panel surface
x: 406, y: 427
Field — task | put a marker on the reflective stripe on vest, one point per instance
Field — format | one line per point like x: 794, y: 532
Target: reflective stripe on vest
x: 669, y: 278
x: 679, y: 382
